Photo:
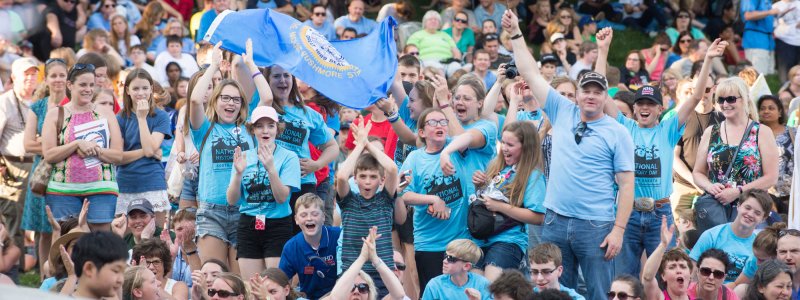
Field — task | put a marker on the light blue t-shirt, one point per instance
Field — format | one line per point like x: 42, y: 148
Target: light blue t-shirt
x: 441, y: 287
x: 572, y: 293
x: 303, y: 125
x: 587, y: 169
x: 402, y: 150
x: 327, y: 30
x: 721, y: 237
x: 481, y: 15
x: 96, y: 21
x: 256, y: 191
x: 532, y: 200
x: 525, y: 115
x: 432, y: 234
x: 653, y: 155
x: 205, y: 23
x: 362, y: 26
x: 750, y: 267
x: 489, y: 80
x: 484, y: 154
x: 159, y: 45
x: 145, y: 174
x: 758, y: 33
x: 216, y: 159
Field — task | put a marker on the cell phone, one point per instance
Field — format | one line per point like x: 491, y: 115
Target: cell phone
x: 403, y: 181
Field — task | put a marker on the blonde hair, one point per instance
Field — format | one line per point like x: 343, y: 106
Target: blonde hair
x: 465, y: 249
x: 373, y: 291
x: 211, y: 110
x: 308, y: 200
x: 749, y: 75
x: 133, y: 280
x: 737, y: 86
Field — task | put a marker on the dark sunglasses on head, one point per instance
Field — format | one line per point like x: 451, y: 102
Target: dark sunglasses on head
x: 580, y: 131
x: 221, y: 293
x: 399, y: 266
x: 462, y: 21
x: 362, y: 288
x: 452, y: 259
x: 52, y: 60
x: 492, y: 37
x: 705, y: 272
x: 786, y: 232
x: 619, y: 295
x: 80, y: 67
x: 729, y: 99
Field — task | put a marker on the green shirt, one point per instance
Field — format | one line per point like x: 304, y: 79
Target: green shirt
x: 436, y: 46
x: 467, y: 39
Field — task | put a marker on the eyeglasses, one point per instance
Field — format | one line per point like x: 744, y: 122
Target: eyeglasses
x: 442, y: 122
x: 226, y: 99
x: 155, y: 263
x: 53, y: 60
x: 580, y: 131
x: 222, y: 293
x: 619, y: 295
x: 785, y: 232
x: 686, y: 41
x: 399, y: 266
x: 362, y: 288
x: 452, y: 259
x: 683, y: 16
x: 729, y: 99
x: 544, y: 272
x: 462, y: 21
x: 322, y: 14
x: 108, y: 6
x: 705, y: 272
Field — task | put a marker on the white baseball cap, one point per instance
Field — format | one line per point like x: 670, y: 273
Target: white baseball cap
x: 264, y: 112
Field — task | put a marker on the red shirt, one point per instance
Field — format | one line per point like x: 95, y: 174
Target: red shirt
x: 322, y: 174
x: 382, y: 130
x: 184, y: 7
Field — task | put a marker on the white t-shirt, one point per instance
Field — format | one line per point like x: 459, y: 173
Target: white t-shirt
x: 635, y: 15
x: 786, y: 28
x: 186, y: 62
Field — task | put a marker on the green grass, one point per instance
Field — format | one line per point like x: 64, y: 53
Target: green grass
x: 30, y: 279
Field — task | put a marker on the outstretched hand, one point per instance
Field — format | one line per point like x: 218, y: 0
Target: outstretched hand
x: 510, y: 22
x: 666, y: 231
x: 717, y: 48
x: 604, y: 37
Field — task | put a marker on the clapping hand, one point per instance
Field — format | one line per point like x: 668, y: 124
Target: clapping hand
x: 717, y: 48
x: 239, y: 160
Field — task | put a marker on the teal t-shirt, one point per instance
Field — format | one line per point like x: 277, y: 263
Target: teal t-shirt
x: 256, y: 191
x: 441, y: 287
x: 467, y: 39
x: 739, y: 249
x: 216, y: 159
x: 303, y: 125
x: 532, y: 200
x: 572, y: 293
x: 653, y: 155
x: 432, y: 234
x: 402, y: 150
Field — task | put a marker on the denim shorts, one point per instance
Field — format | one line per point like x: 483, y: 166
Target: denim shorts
x: 503, y: 255
x: 101, y: 207
x: 219, y: 221
x: 189, y: 191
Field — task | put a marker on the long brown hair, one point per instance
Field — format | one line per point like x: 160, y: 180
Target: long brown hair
x: 294, y: 94
x: 278, y: 277
x: 152, y: 13
x: 530, y: 159
x: 128, y: 105
x: 237, y: 284
x: 115, y: 38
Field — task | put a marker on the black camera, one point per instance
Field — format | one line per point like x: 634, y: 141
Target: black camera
x: 511, y: 71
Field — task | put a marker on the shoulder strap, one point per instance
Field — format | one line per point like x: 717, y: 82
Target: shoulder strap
x: 736, y: 153
x: 205, y: 138
x: 59, y: 122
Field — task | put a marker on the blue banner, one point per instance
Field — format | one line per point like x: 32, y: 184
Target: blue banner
x: 354, y: 73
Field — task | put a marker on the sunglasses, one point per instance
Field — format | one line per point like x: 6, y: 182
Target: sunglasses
x: 221, y: 293
x: 452, y: 259
x: 705, y: 272
x: 462, y: 21
x: 80, y: 67
x: 442, y: 122
x: 793, y: 232
x: 686, y: 41
x: 322, y: 14
x: 491, y: 37
x: 729, y: 99
x: 54, y: 60
x: 580, y: 131
x: 619, y: 295
x: 362, y: 288
x: 108, y: 6
x: 399, y: 266
x: 544, y: 272
x: 683, y: 16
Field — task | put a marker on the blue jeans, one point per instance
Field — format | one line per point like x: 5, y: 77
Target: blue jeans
x: 579, y: 241
x: 642, y: 233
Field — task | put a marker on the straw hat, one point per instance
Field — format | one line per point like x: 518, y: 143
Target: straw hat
x: 64, y: 240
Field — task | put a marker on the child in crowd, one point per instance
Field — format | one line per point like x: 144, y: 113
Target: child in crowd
x: 457, y: 281
x: 368, y: 206
x: 100, y: 261
x: 546, y: 268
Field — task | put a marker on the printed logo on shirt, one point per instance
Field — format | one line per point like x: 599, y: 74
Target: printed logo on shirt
x: 648, y: 165
x: 401, y: 151
x: 222, y: 151
x: 294, y: 135
x: 448, y: 188
x: 737, y: 265
x: 258, y: 188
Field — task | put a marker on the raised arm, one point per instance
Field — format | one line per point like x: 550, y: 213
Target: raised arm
x: 493, y: 96
x: 604, y: 37
x: 650, y: 269
x: 345, y: 283
x: 650, y: 67
x: 389, y: 108
x: 716, y: 49
x: 197, y: 116
x: 441, y: 100
x: 360, y: 132
x: 264, y: 91
x: 389, y: 168
x: 526, y: 65
x: 470, y: 139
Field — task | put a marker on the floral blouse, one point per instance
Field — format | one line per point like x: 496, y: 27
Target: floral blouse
x: 746, y: 164
x: 785, y: 162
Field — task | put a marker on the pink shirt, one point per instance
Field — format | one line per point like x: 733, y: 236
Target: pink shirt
x: 693, y: 292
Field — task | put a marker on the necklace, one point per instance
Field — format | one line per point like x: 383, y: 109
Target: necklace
x: 725, y: 129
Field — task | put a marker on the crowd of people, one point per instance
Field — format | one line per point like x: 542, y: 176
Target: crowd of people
x: 141, y: 162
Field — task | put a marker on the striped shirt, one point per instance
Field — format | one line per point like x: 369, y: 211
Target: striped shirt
x: 358, y: 215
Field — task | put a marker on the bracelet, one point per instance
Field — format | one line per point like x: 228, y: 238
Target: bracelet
x: 623, y: 228
x: 193, y: 252
x: 393, y: 118
x: 255, y: 74
x: 389, y: 114
x: 444, y: 106
x: 518, y: 35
